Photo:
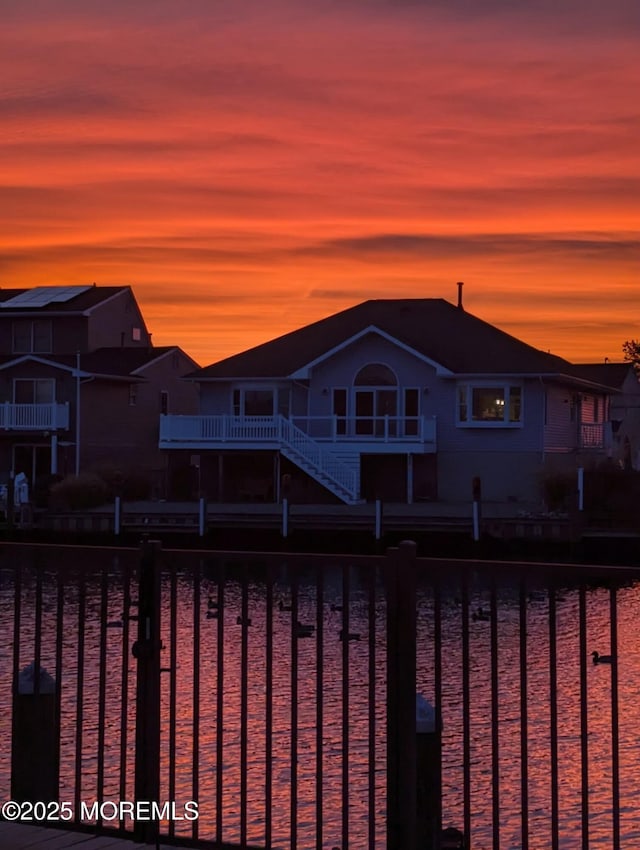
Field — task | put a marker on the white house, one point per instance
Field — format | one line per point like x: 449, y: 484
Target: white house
x: 405, y: 399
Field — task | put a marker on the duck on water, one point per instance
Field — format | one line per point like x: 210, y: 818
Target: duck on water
x: 601, y: 659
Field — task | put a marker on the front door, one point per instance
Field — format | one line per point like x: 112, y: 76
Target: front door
x: 364, y: 411
x: 376, y: 412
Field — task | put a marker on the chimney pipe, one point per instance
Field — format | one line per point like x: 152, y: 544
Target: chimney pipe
x: 460, y: 285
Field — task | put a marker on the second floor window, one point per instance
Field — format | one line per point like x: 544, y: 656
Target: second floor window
x: 32, y: 336
x: 34, y: 391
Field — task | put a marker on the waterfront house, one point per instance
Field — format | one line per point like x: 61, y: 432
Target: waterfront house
x: 624, y: 408
x: 402, y: 399
x: 81, y: 385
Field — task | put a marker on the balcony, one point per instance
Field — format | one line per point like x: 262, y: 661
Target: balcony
x: 592, y: 435
x: 34, y: 417
x: 408, y: 432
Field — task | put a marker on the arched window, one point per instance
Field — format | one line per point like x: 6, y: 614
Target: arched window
x: 375, y: 375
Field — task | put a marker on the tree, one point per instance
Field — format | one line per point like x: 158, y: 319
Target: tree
x: 631, y: 349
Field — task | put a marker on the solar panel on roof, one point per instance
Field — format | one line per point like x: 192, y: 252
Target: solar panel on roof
x: 40, y: 296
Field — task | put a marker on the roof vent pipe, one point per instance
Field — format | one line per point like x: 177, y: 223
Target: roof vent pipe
x: 460, y: 285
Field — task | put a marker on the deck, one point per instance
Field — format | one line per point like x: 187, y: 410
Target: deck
x: 20, y: 836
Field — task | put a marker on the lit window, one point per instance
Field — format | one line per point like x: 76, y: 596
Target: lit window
x: 136, y: 334
x: 490, y: 405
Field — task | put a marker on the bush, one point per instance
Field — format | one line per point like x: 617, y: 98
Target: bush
x: 129, y: 484
x: 559, y: 491
x: 77, y: 492
x: 613, y: 493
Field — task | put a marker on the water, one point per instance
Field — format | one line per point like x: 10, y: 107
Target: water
x: 119, y: 784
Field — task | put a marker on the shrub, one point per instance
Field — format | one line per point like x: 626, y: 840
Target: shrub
x: 77, y: 492
x: 559, y: 491
x: 128, y: 483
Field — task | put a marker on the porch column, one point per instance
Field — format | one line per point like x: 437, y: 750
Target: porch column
x: 220, y: 477
x: 276, y: 477
x: 409, y: 479
x: 54, y: 454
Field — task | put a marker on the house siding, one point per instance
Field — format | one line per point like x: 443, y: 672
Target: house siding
x: 518, y: 480
x: 112, y: 322
x: 341, y: 369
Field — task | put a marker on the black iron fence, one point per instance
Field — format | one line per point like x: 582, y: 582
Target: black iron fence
x: 269, y: 700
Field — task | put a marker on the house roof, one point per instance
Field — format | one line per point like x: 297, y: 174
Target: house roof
x: 609, y: 374
x: 103, y: 362
x: 85, y: 299
x: 434, y: 328
x: 121, y: 361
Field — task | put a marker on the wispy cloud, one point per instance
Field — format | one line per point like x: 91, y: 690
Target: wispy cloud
x: 259, y: 165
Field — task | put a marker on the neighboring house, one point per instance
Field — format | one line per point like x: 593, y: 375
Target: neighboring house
x: 61, y: 345
x: 624, y: 410
x: 400, y: 399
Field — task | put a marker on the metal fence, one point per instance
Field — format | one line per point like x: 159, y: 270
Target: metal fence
x: 278, y: 693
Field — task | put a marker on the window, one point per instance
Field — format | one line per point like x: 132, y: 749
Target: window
x: 133, y: 395
x: 284, y: 402
x: 32, y: 336
x: 164, y: 402
x: 258, y: 402
x: 136, y: 336
x: 255, y: 402
x: 34, y: 390
x: 411, y: 411
x: 340, y: 410
x: 489, y: 405
x: 375, y: 405
x: 375, y: 375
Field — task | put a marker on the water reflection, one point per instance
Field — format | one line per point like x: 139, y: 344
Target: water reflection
x: 80, y: 767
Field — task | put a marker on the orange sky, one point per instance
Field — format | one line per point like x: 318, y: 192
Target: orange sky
x: 251, y: 167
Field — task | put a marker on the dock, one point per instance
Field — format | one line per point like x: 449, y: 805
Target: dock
x: 22, y: 836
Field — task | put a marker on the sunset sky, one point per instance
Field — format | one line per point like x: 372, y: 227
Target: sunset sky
x: 249, y: 167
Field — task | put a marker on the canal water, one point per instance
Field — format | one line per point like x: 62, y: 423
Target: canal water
x: 208, y: 726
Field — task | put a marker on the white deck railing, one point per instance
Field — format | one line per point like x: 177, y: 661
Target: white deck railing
x: 294, y: 439
x: 336, y: 429
x: 33, y: 417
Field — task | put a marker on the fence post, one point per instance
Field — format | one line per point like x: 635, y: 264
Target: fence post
x: 35, y: 747
x: 147, y: 652
x: 429, y: 785
x: 476, y: 490
x: 401, y: 697
x: 378, y: 519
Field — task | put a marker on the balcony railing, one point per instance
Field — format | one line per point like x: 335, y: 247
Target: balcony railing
x: 337, y: 429
x: 34, y: 417
x: 592, y: 435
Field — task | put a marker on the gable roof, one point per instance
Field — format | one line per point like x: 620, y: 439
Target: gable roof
x: 86, y: 299
x: 103, y: 362
x: 432, y: 327
x: 122, y: 361
x: 609, y: 374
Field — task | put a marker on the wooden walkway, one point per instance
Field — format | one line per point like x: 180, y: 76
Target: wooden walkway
x: 21, y: 836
